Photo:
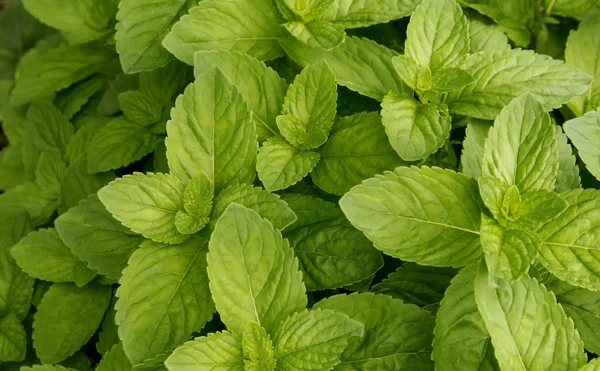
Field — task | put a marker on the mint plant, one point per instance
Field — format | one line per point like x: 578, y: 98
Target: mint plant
x: 299, y: 185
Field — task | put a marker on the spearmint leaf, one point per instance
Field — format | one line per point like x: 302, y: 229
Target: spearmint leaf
x: 357, y: 149
x: 142, y: 26
x: 515, y: 312
x: 280, y: 165
x: 355, y: 14
x: 397, y: 336
x: 593, y: 365
x: 309, y: 210
x: 536, y: 208
x: 43, y: 255
x: 333, y: 254
x: 13, y: 339
x: 567, y: 177
x: 31, y: 197
x: 165, y: 83
x: 257, y: 349
x: 114, y: 360
x: 408, y: 70
x: 173, y: 283
x: 437, y: 35
x: 306, y: 10
x: 12, y: 168
x: 359, y: 64
x: 81, y: 20
x: 311, y: 102
x: 314, y: 339
x: 67, y: 318
x: 216, y: 351
x: 317, y: 34
x: 267, y: 205
x: 253, y: 273
x: 95, y: 237
x: 473, y: 147
x: 70, y: 101
x: 146, y: 204
x: 197, y: 204
x: 49, y: 174
x: 551, y: 81
x: 577, y: 9
x: 140, y: 108
x: 237, y: 25
x: 584, y: 132
x: 211, y: 130
x: 486, y: 38
x: 78, y: 183
x: 414, y: 130
x: 426, y: 215
x: 462, y: 341
x: 570, y: 249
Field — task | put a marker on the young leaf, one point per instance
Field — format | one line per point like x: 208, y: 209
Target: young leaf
x: 140, y: 108
x: 146, y: 204
x: 567, y: 177
x: 197, y: 202
x: 584, y: 132
x: 426, y: 215
x: 515, y: 312
x: 257, y: 348
x: 211, y: 130
x: 172, y: 281
x: 397, y: 335
x: 67, y: 318
x: 280, y: 165
x: 536, y: 208
x: 437, y: 36
x: 237, y: 25
x: 473, y: 147
x: 355, y: 14
x: 414, y: 130
x: 317, y: 34
x: 219, y: 350
x: 253, y: 273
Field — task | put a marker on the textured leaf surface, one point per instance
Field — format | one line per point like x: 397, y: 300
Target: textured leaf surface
x: 354, y: 14
x: 317, y: 34
x: 13, y: 339
x: 567, y: 177
x: 486, y: 38
x: 584, y: 132
x: 216, y: 351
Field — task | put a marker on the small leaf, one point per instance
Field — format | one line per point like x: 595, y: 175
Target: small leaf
x: 13, y: 339
x: 257, y: 349
x: 317, y: 34
x: 140, y: 108
x: 114, y: 360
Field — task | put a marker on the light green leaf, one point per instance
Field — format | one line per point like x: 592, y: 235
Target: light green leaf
x: 313, y: 340
x: 409, y: 70
x: 437, y: 35
x: 215, y: 352
x: 13, y: 339
x: 448, y: 79
x: 49, y: 173
x: 567, y: 177
x: 140, y: 108
x: 70, y: 101
x: 172, y: 283
x: 358, y: 64
x: 257, y: 349
x: 577, y: 9
x: 280, y: 165
x: 515, y: 312
x: 253, y: 273
x: 309, y: 210
x: 363, y: 13
x: 260, y: 86
x: 427, y: 215
x: 238, y: 25
x: 462, y: 341
x: 551, y: 81
x: 486, y: 38
x: 473, y: 147
x: 96, y: 238
x: 584, y: 132
x: 536, y: 208
x: 43, y: 255
x: 305, y: 10
x: 317, y: 34
x: 593, y: 365
x: 67, y: 318
x: 397, y: 336
x: 81, y: 20
x: 31, y: 197
x: 211, y: 130
x: 115, y: 360
x: 197, y: 202
x: 414, y: 130
x: 146, y: 204
x: 142, y: 26
x: 79, y: 183
x: 267, y: 205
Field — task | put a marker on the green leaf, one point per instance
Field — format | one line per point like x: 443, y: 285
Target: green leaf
x: 253, y: 273
x: 49, y: 174
x: 12, y: 169
x: 309, y: 210
x: 56, y: 69
x: 81, y: 20
x: 313, y: 340
x: 437, y: 35
x: 161, y: 276
x: 146, y: 204
x: 260, y: 86
x: 13, y: 340
x: 142, y: 26
x: 211, y: 130
x: 486, y: 38
x: 397, y: 336
x: 309, y: 107
x: 536, y: 208
x: 31, y: 197
x: 267, y: 205
x: 448, y: 79
x: 115, y: 360
x: 355, y: 14
x: 577, y: 9
x: 567, y: 177
x: 427, y: 215
x: 473, y: 147
x: 43, y: 255
x: 45, y: 368
x: 108, y: 336
x: 359, y: 64
x: 515, y: 312
x: 70, y: 101
x: 551, y: 81
x: 78, y: 145
x: 67, y: 318
x: 165, y: 83
x: 257, y: 349
x: 304, y: 10
x: 140, y: 108
x: 216, y: 351
x: 280, y: 165
x: 357, y: 149
x: 462, y: 341
x: 197, y: 202
x: 96, y: 238
x: 79, y: 183
x: 317, y: 34
x: 584, y: 132
x: 570, y: 250
x: 415, y: 130
x: 593, y: 365
x: 238, y: 25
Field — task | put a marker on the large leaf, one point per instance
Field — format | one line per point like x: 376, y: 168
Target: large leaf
x: 216, y: 351
x: 427, y: 215
x: 172, y: 283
